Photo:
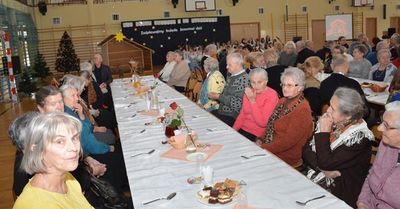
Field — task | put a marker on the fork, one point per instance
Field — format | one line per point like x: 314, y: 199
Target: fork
x: 248, y: 157
x: 307, y: 201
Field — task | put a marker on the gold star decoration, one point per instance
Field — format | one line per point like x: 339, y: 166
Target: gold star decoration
x: 119, y: 36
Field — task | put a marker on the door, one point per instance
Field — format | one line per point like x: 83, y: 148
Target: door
x: 245, y: 30
x: 395, y: 23
x: 371, y: 27
x: 318, y: 33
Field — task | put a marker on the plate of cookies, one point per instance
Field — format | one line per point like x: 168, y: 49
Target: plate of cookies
x: 221, y: 193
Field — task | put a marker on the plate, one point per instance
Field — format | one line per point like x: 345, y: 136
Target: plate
x: 216, y: 205
x: 197, y: 155
x: 204, y: 200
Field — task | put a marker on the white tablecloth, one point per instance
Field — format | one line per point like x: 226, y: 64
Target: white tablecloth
x: 271, y: 182
x: 378, y: 98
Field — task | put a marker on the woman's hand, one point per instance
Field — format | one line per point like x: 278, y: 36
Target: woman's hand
x: 326, y: 123
x: 251, y: 94
x: 112, y: 148
x: 97, y: 168
x: 213, y: 95
x: 79, y: 110
x: 99, y: 129
x: 332, y: 174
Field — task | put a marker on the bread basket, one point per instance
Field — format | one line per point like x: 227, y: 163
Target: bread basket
x: 378, y: 87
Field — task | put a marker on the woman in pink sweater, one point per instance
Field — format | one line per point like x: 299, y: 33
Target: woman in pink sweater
x: 258, y: 104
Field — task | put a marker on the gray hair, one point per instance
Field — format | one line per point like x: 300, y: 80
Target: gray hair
x: 235, y: 57
x: 396, y: 38
x: 86, y: 66
x: 296, y: 74
x: 85, y: 74
x: 339, y: 60
x: 41, y: 132
x: 382, y: 45
x: 74, y: 81
x: 259, y: 71
x: 383, y: 51
x: 394, y: 107
x: 290, y: 45
x: 300, y: 44
x: 350, y: 103
x: 65, y: 90
x: 170, y: 53
x: 210, y: 47
x: 18, y: 128
x: 211, y: 64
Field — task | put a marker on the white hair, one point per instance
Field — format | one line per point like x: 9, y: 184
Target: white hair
x: 395, y: 108
x: 296, y: 74
x: 235, y: 57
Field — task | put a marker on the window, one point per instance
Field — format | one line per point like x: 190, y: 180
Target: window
x: 219, y: 12
x: 56, y: 20
x: 167, y: 14
x: 261, y: 10
x: 115, y: 17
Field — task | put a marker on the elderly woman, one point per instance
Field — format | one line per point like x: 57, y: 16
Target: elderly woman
x: 180, y: 73
x: 214, y: 82
x: 274, y: 70
x: 313, y: 67
x: 340, y: 150
x: 258, y: 103
x: 52, y: 150
x: 290, y: 125
x: 101, y: 132
x: 381, y: 187
x: 359, y: 66
x: 288, y: 56
x: 168, y: 67
x: 384, y: 70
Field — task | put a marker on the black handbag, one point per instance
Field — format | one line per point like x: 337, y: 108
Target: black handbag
x: 103, y: 189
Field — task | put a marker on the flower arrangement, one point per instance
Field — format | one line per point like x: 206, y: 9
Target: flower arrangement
x: 178, y: 121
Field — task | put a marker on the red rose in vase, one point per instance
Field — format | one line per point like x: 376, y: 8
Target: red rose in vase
x: 173, y: 106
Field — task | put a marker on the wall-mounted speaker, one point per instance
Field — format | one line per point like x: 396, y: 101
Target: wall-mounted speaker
x: 384, y: 11
x: 174, y: 2
x: 234, y: 2
x: 42, y: 7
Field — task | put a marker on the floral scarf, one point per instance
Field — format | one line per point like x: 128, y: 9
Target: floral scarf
x: 280, y: 111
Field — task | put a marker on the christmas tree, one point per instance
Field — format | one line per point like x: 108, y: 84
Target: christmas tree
x: 27, y: 85
x: 66, y: 60
x: 40, y: 68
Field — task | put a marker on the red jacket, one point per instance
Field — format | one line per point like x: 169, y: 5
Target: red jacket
x: 291, y: 133
x: 253, y: 117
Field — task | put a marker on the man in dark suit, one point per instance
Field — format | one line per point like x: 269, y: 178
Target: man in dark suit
x: 303, y: 52
x: 103, y: 78
x: 337, y: 79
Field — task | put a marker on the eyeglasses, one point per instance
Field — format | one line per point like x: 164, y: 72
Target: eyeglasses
x: 386, y: 126
x: 288, y: 85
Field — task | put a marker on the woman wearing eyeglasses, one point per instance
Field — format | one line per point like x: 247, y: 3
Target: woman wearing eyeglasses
x: 290, y: 124
x: 381, y: 187
x: 338, y: 156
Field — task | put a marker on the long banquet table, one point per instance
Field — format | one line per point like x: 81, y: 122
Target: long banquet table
x: 271, y: 183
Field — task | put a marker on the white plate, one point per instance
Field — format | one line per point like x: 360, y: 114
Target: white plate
x: 216, y: 205
x: 197, y: 155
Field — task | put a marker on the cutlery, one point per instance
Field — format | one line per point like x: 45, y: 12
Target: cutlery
x: 149, y: 152
x: 169, y: 197
x: 248, y: 157
x: 134, y: 115
x: 312, y: 199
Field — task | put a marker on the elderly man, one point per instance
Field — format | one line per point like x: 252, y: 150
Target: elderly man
x: 303, y: 52
x: 103, y: 77
x: 338, y: 78
x: 232, y: 96
x: 209, y: 51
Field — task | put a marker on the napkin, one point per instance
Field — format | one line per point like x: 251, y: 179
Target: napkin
x: 180, y: 154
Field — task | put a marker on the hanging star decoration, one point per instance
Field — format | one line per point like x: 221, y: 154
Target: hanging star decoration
x: 119, y: 36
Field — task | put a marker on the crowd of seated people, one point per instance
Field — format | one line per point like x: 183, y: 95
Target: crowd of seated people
x: 261, y: 88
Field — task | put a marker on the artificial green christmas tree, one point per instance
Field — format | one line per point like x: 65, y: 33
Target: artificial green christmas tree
x: 40, y: 68
x: 66, y: 60
x: 27, y: 85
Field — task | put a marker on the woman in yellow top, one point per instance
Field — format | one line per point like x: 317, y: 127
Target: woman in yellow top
x: 214, y: 82
x: 52, y: 150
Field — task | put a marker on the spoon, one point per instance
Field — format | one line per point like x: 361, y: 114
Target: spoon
x: 169, y: 197
x: 248, y: 157
x: 149, y: 152
x: 312, y: 199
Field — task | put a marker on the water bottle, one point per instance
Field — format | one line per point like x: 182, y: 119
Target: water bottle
x: 154, y: 101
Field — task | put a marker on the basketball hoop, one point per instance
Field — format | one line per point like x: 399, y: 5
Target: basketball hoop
x: 200, y: 6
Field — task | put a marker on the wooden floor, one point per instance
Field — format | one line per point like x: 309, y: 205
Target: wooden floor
x: 8, y: 112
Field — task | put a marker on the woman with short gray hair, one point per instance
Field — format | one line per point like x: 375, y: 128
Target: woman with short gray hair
x: 258, y: 103
x: 52, y: 151
x: 381, y: 187
x: 288, y: 56
x: 339, y: 153
x: 214, y: 82
x: 384, y: 70
x: 291, y: 123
